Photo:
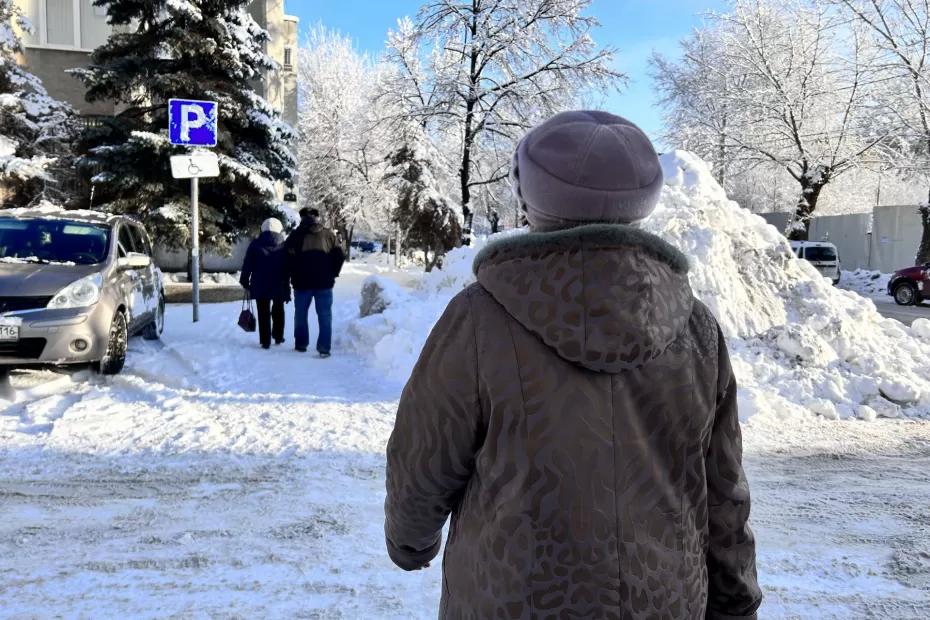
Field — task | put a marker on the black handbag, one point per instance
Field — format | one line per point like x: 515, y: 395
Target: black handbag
x: 246, y: 316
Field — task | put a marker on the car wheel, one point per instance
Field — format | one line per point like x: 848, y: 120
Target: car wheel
x: 117, y: 344
x: 905, y: 294
x: 153, y: 330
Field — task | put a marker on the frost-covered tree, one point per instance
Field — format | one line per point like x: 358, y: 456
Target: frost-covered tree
x: 190, y: 49
x: 901, y: 29
x: 695, y: 92
x: 343, y: 147
x: 779, y: 83
x: 484, y: 71
x: 425, y: 215
x: 804, y: 102
x: 36, y: 131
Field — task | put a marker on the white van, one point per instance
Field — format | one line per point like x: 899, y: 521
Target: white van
x: 822, y: 255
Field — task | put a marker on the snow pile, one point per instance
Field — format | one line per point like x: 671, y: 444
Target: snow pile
x: 921, y: 329
x: 397, y: 335
x: 867, y: 283
x: 379, y: 294
x: 798, y: 344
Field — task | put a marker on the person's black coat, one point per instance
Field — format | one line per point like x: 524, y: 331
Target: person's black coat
x: 264, y: 272
x: 314, y: 257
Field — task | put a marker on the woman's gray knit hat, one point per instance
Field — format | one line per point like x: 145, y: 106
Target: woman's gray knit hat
x: 586, y: 167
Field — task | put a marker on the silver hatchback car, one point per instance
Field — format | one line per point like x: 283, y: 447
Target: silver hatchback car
x: 74, y: 286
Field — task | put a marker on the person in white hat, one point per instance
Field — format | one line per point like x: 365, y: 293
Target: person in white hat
x: 265, y: 278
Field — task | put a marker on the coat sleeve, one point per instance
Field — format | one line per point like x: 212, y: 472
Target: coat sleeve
x: 337, y: 257
x: 290, y: 255
x: 733, y: 589
x: 431, y: 453
x: 248, y: 267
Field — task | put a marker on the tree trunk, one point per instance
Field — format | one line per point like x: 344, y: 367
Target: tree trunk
x: 721, y: 167
x: 804, y: 212
x: 471, y: 102
x: 429, y: 265
x: 465, y: 170
x: 350, y: 232
x: 923, y: 251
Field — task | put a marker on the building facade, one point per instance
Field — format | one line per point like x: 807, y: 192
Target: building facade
x: 65, y: 32
x: 279, y: 87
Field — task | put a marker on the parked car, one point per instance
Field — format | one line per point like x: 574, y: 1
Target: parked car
x: 911, y: 285
x: 74, y: 286
x: 367, y: 247
x: 822, y: 255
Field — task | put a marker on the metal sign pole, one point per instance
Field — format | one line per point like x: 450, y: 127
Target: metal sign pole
x: 195, y: 246
x: 193, y: 123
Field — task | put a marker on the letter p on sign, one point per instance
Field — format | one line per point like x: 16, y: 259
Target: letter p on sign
x: 192, y: 123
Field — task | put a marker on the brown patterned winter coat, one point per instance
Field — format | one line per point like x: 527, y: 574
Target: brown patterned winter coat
x: 575, y: 413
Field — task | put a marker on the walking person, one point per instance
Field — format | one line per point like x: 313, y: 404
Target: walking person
x: 315, y: 260
x: 265, y: 277
x: 575, y: 411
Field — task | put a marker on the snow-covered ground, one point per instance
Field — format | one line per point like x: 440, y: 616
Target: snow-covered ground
x: 214, y: 479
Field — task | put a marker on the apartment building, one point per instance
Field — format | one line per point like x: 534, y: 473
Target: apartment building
x: 65, y: 32
x: 279, y: 87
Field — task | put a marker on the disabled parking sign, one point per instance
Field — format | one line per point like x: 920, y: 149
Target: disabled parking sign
x: 192, y: 123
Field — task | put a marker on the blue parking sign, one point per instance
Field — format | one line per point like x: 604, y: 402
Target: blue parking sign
x: 192, y: 123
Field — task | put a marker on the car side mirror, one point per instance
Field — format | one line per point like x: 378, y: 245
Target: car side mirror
x: 134, y: 260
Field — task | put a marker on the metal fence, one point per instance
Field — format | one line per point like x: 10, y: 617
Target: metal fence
x: 884, y: 240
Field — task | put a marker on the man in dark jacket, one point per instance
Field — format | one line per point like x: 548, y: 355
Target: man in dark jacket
x: 264, y: 276
x: 575, y: 411
x: 315, y: 260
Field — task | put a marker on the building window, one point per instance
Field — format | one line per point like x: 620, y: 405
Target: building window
x: 288, y: 58
x: 59, y: 22
x: 69, y: 24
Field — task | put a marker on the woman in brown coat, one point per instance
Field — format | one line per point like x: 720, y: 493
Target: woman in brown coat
x: 575, y: 411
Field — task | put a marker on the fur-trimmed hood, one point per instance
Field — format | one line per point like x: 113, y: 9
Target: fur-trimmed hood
x: 606, y: 297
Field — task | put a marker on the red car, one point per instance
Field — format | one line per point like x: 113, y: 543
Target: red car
x: 910, y: 286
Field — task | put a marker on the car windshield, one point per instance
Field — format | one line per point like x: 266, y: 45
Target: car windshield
x: 820, y: 253
x: 52, y: 241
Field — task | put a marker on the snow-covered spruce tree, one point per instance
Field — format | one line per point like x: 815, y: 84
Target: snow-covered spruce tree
x: 484, y: 71
x: 424, y: 214
x: 901, y: 30
x: 190, y: 49
x: 36, y: 131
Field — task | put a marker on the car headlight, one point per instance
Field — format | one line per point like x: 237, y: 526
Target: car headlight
x: 79, y: 294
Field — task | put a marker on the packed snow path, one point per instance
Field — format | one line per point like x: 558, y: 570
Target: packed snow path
x: 214, y: 479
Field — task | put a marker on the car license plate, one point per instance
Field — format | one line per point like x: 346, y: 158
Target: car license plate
x: 9, y: 333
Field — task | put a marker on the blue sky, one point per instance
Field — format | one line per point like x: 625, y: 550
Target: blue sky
x: 636, y: 27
